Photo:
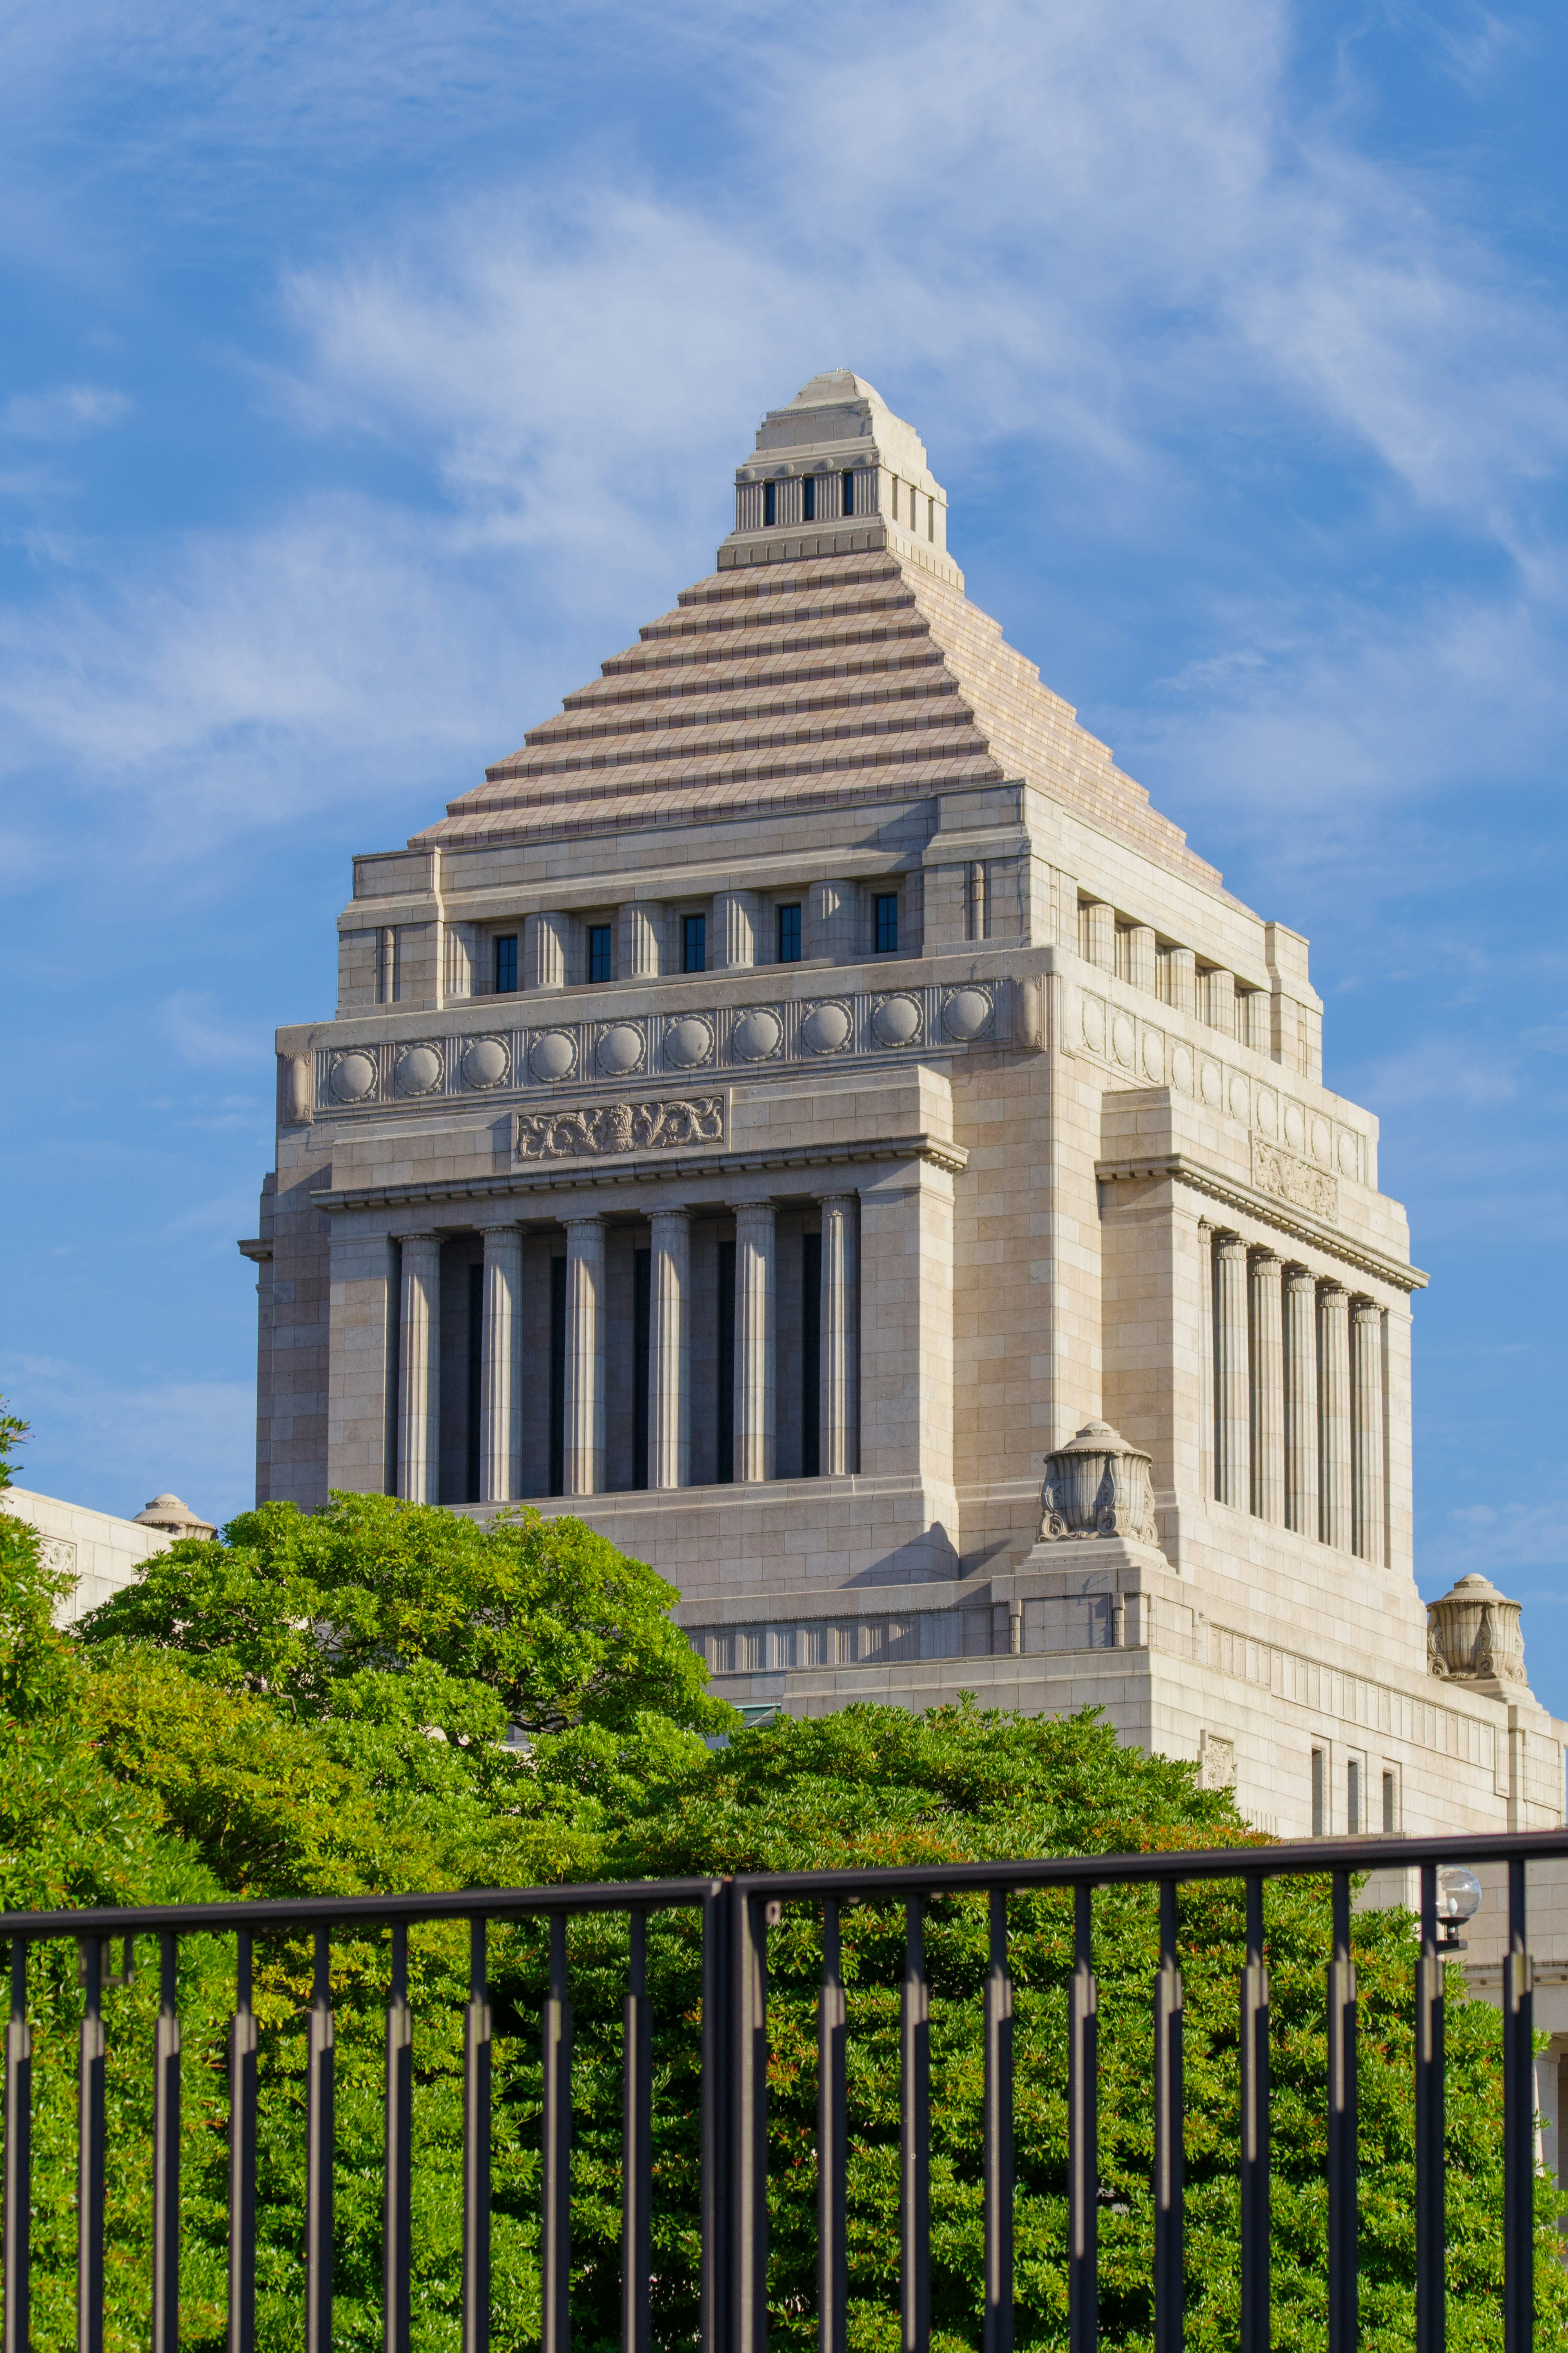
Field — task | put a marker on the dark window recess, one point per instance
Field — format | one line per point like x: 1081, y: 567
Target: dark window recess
x: 724, y: 1472
x: 808, y: 499
x: 558, y: 1377
x: 642, y: 1313
x: 810, y: 1355
x: 887, y: 922
x: 789, y: 935
x: 1354, y: 1823
x: 475, y: 1378
x: 599, y: 960
x: 849, y: 491
x: 770, y: 506
x: 1320, y: 1825
x: 506, y: 965
x: 1390, y: 1805
x: 694, y: 944
x: 930, y: 518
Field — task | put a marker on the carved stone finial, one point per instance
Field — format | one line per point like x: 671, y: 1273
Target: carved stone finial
x: 1098, y: 1485
x: 1473, y: 1634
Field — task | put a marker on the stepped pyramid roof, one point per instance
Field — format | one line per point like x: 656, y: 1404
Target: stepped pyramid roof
x: 826, y: 662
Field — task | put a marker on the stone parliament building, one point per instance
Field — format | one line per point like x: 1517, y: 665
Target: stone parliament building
x: 806, y: 1113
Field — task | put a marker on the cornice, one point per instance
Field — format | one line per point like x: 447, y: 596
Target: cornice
x: 600, y: 1175
x: 1235, y: 1192
x: 257, y: 1249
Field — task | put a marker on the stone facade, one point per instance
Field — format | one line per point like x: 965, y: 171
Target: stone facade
x: 796, y: 1092
x: 101, y: 1551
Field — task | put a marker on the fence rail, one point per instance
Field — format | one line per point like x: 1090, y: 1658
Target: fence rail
x: 736, y: 1916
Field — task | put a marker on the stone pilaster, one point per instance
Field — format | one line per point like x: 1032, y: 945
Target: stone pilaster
x: 1335, y: 1416
x: 733, y: 931
x: 420, y: 1370
x: 1233, y: 1416
x: 1142, y: 965
x: 584, y: 1433
x: 1366, y: 1432
x: 669, y: 1351
x: 755, y: 1340
x: 831, y: 920
x: 501, y: 1400
x: 1268, y: 1388
x: 839, y: 1451
x: 1301, y: 1402
x: 1098, y: 934
x: 546, y: 941
x: 641, y: 942
x: 1182, y: 980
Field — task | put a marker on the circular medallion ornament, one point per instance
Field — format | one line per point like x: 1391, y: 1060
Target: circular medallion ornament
x: 1182, y: 1070
x: 619, y: 1049
x: 1092, y: 1020
x: 826, y: 1029
x: 1268, y: 1110
x: 1323, y: 1141
x: 353, y: 1075
x: 1122, y: 1040
x: 1209, y: 1084
x: 1239, y: 1106
x: 1295, y: 1126
x: 418, y: 1071
x: 553, y: 1054
x: 687, y: 1042
x: 1347, y: 1156
x: 1153, y: 1056
x: 966, y: 1014
x: 896, y: 1021
x: 486, y: 1062
x: 757, y: 1035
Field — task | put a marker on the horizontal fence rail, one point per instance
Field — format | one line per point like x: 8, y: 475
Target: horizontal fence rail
x: 736, y: 1916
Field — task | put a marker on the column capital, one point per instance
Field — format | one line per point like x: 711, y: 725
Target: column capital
x: 670, y: 1220
x: 583, y: 1218
x: 1264, y: 1257
x: 1366, y: 1311
x: 1333, y: 1294
x: 838, y: 1200
x: 1300, y: 1277
x: 755, y: 1213
x: 1229, y: 1246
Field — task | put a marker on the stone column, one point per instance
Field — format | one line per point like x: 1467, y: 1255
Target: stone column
x: 1181, y: 980
x: 839, y: 1450
x: 1335, y: 1417
x: 500, y: 1398
x: 584, y: 1433
x: 755, y: 1333
x: 1268, y: 1388
x: 1219, y: 1000
x: 545, y: 942
x: 1301, y: 1402
x: 1100, y: 934
x: 420, y: 1370
x: 831, y: 920
x: 1143, y: 970
x: 733, y: 931
x: 641, y: 941
x: 1232, y: 1483
x: 1366, y: 1432
x: 669, y: 1350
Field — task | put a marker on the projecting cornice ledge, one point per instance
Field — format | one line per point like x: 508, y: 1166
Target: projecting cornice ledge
x: 583, y: 1175
x: 1236, y: 1194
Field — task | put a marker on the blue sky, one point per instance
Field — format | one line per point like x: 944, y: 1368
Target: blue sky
x: 372, y: 372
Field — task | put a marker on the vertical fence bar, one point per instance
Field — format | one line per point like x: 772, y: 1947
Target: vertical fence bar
x: 18, y: 2247
x: 998, y: 2148
x: 749, y: 2129
x: 476, y: 2055
x: 1518, y: 2124
x: 555, y: 2246
x: 1254, y: 2129
x: 321, y: 2106
x: 166, y: 2153
x: 637, y: 2146
x: 1083, y: 2131
x: 832, y: 2303
x: 397, y: 2164
x: 242, y: 2155
x: 717, y: 2042
x: 1431, y: 2316
x: 914, y: 2135
x: 90, y: 2156
x: 1345, y: 2299
x: 1170, y: 2124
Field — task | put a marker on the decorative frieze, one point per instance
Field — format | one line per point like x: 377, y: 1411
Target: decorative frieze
x: 618, y: 1128
x: 1295, y: 1181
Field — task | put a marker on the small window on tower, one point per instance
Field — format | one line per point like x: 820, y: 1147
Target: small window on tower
x: 1390, y: 1804
x: 887, y: 922
x: 931, y: 519
x: 599, y: 959
x: 895, y: 498
x: 694, y: 944
x: 849, y: 490
x: 1354, y: 1823
x: 1320, y: 1820
x: 789, y: 934
x: 506, y: 963
x: 808, y: 499
x: 770, y: 506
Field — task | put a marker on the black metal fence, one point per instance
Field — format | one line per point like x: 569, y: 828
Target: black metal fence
x: 736, y: 1916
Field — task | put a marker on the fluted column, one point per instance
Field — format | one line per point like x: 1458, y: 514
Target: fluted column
x: 584, y: 1432
x: 754, y: 1340
x: 669, y: 1351
x: 641, y: 941
x: 1181, y: 980
x: 545, y: 942
x: 1366, y: 1432
x: 1232, y: 1383
x: 732, y: 935
x: 1098, y: 934
x: 420, y: 1370
x: 1335, y: 1416
x: 501, y: 1399
x: 839, y: 1386
x: 832, y: 920
x: 1142, y: 966
x: 1302, y: 1401
x: 1268, y: 1388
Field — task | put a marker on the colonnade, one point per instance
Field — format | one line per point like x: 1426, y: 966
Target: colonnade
x: 503, y: 1406
x: 1300, y: 1419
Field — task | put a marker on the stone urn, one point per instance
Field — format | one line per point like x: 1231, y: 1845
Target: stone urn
x: 1098, y: 1485
x: 1473, y: 1635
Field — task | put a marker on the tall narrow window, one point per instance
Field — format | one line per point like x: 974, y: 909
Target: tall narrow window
x: 558, y: 1375
x: 475, y: 1382
x: 810, y: 1355
x: 789, y: 934
x: 931, y: 519
x: 694, y: 944
x: 1390, y: 1805
x: 1354, y: 1823
x: 770, y: 506
x: 599, y: 960
x: 506, y: 963
x: 895, y: 498
x: 849, y: 490
x: 724, y: 1469
x: 887, y: 922
x: 1320, y: 1820
x: 808, y: 499
x: 642, y: 1315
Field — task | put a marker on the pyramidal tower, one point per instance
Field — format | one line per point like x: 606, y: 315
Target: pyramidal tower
x: 808, y: 1114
